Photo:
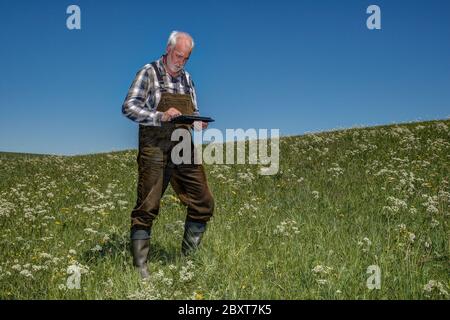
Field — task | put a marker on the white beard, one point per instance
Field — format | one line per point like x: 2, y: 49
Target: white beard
x: 172, y: 67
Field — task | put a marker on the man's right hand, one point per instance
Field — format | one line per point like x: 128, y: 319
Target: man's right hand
x: 170, y: 114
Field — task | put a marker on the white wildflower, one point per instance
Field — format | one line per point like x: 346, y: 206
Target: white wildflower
x: 431, y: 204
x: 97, y: 248
x: 38, y: 268
x: 16, y: 267
x: 365, y: 243
x: 321, y: 269
x: 434, y: 223
x: 437, y: 286
x: 62, y: 287
x: 45, y: 255
x: 90, y: 230
x: 395, y: 205
x: 335, y: 170
x: 26, y: 273
x: 185, y: 273
x: 287, y: 228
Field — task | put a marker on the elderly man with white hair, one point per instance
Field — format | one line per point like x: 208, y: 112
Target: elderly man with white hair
x: 161, y: 91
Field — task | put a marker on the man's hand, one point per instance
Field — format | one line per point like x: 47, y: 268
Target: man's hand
x: 200, y: 125
x: 170, y: 114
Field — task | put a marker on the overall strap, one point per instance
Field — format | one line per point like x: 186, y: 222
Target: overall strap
x: 186, y: 82
x: 158, y: 74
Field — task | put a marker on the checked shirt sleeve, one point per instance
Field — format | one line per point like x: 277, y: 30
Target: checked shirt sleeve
x: 135, y: 106
x: 193, y: 94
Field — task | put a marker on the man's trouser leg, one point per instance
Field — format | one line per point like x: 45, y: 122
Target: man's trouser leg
x: 190, y: 183
x: 153, y: 179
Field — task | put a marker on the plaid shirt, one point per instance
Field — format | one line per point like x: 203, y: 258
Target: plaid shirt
x: 145, y: 93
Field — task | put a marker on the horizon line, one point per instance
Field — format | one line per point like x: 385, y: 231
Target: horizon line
x: 357, y: 126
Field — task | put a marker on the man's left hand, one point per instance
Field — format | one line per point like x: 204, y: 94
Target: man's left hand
x: 200, y: 125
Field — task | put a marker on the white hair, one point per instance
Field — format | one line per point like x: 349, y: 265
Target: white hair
x: 174, y: 36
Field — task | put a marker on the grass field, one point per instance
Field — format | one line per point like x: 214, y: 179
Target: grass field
x: 341, y: 202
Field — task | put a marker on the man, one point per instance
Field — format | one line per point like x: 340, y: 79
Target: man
x: 160, y: 92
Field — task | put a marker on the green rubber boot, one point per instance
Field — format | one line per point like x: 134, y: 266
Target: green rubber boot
x: 193, y: 233
x: 140, y: 246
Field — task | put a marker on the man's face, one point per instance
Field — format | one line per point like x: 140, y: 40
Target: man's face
x: 178, y: 55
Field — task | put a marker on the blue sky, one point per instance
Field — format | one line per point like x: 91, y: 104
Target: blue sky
x: 298, y: 66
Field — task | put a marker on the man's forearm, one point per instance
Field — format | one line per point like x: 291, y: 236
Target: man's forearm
x: 134, y: 107
x: 135, y: 111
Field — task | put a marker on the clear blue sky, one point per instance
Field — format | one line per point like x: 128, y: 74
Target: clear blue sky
x: 294, y: 65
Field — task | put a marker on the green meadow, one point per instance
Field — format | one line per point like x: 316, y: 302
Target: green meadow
x: 360, y: 213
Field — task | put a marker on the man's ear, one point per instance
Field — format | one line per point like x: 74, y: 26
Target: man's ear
x: 168, y: 49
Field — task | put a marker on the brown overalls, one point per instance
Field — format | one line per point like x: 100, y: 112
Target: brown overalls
x: 156, y: 170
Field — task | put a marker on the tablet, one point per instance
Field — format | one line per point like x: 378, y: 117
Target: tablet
x: 186, y: 119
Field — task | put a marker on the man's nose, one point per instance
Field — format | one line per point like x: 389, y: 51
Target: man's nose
x: 180, y: 60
